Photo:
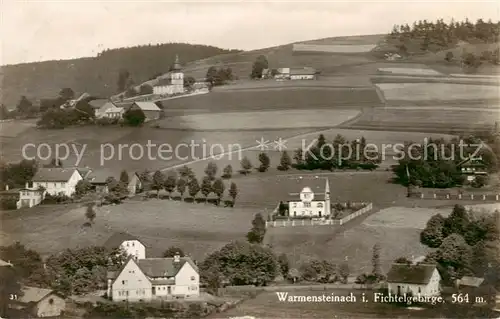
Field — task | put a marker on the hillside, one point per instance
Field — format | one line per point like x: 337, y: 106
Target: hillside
x: 95, y: 75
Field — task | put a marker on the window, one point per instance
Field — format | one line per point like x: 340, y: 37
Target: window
x: 307, y: 204
x: 320, y: 205
x: 294, y: 204
x: 124, y: 282
x: 193, y: 278
x: 133, y: 244
x: 51, y: 301
x: 127, y: 244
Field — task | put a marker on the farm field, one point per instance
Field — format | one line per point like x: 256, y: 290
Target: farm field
x: 334, y: 48
x: 261, y: 120
x: 267, y: 306
x: 14, y: 128
x: 402, y: 79
x: 96, y: 139
x: 349, y: 40
x: 433, y: 120
x: 381, y: 140
x: 274, y: 100
x: 409, y: 71
x: 322, y: 82
x: 437, y: 91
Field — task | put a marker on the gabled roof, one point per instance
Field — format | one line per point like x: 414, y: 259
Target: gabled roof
x: 4, y: 263
x: 302, y: 71
x: 147, y: 106
x: 56, y: 174
x: 100, y: 176
x: 97, y: 104
x: 84, y: 171
x: 163, y: 267
x: 411, y: 274
x: 117, y: 239
x: 471, y: 281
x: 33, y: 294
x: 294, y: 186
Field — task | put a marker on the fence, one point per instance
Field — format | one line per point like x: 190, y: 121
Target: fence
x: 479, y: 197
x: 325, y: 222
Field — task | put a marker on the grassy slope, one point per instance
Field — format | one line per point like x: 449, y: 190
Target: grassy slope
x: 95, y: 75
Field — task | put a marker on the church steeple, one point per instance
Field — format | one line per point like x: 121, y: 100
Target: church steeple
x: 177, y: 64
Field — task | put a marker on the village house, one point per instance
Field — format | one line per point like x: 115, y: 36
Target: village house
x: 99, y: 180
x: 473, y: 168
x: 313, y: 199
x: 420, y: 279
x: 4, y: 263
x: 282, y: 74
x: 109, y: 110
x: 305, y: 73
x: 173, y: 83
x: 131, y: 245
x: 39, y: 302
x: 150, y: 109
x: 134, y: 183
x: 152, y: 278
x: 55, y: 181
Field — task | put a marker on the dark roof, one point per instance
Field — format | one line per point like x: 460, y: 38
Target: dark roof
x: 410, y: 274
x: 117, y: 239
x: 84, y: 171
x: 56, y: 174
x: 293, y: 186
x: 471, y: 281
x: 163, y: 267
x: 97, y: 104
x: 100, y: 176
x: 163, y: 81
x: 34, y: 294
x: 302, y: 71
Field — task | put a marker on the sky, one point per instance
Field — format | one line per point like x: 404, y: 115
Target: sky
x: 50, y: 30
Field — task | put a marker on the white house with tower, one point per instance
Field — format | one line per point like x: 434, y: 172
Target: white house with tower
x: 313, y: 199
x: 173, y: 83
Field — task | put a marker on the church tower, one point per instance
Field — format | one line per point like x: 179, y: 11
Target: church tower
x: 328, y: 208
x: 177, y: 77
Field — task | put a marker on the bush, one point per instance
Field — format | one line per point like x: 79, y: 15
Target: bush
x: 480, y: 181
x: 9, y: 203
x: 56, y: 199
x: 106, y: 121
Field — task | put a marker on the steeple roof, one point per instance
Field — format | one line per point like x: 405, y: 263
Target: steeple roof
x: 177, y: 64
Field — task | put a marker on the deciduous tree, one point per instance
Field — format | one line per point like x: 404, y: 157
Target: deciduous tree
x: 193, y: 187
x: 258, y: 230
x: 218, y: 188
x: 233, y: 191
x: 432, y: 235
x: 172, y: 251
x: 170, y: 183
x: 158, y: 182
x: 181, y: 186
x: 285, y: 161
x: 211, y: 170
x: 264, y: 162
x: 206, y: 186
x: 227, y: 172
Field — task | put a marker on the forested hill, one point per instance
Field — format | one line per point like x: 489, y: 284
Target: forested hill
x: 97, y: 75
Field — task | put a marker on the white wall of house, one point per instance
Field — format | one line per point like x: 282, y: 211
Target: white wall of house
x: 430, y: 289
x: 134, y: 184
x: 187, y: 281
x: 50, y: 306
x: 131, y: 284
x: 302, y: 77
x: 134, y: 248
x: 54, y: 188
x: 29, y: 198
x: 313, y: 208
x: 162, y: 289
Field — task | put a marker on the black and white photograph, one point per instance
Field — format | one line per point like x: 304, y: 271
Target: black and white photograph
x: 249, y: 159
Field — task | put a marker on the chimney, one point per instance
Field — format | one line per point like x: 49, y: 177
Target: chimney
x: 7, y: 187
x: 177, y: 258
x: 27, y: 185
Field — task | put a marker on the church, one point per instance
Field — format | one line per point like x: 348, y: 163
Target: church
x: 173, y: 83
x: 312, y: 201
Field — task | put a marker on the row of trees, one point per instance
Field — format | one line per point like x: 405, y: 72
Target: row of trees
x: 437, y: 164
x: 465, y: 244
x: 184, y: 180
x: 439, y: 34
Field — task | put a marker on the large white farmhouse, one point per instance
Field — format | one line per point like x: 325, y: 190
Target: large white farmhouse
x: 131, y: 245
x: 55, y: 181
x: 420, y: 279
x: 313, y: 199
x: 173, y: 84
x: 150, y: 278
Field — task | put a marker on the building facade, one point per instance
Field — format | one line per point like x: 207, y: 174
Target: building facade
x: 55, y: 181
x: 150, y: 278
x: 309, y: 202
x: 134, y: 184
x: 40, y: 302
x: 130, y: 244
x: 173, y: 84
x: 421, y: 279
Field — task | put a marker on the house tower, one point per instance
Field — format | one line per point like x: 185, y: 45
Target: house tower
x: 177, y: 77
x: 328, y: 207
